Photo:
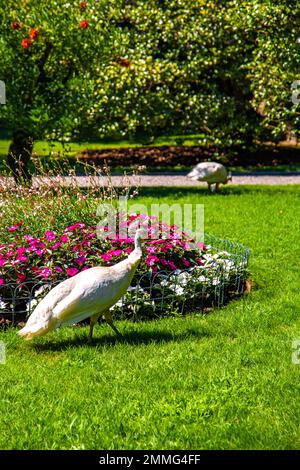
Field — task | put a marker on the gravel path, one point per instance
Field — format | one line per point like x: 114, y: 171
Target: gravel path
x: 181, y: 180
x: 169, y: 179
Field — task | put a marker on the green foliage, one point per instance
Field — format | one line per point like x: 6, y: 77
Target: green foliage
x: 220, y: 69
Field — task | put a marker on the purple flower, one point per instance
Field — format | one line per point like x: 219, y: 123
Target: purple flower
x: 58, y: 269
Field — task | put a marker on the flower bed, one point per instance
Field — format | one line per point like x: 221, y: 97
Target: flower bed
x: 175, y: 274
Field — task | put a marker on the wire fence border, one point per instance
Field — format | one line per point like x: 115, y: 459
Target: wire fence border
x: 152, y: 289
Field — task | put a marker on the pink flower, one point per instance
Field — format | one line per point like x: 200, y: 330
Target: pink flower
x: 45, y: 272
x: 85, y: 268
x: 13, y: 228
x: 151, y: 260
x: 2, y: 262
x: 80, y: 260
x: 186, y: 262
x: 9, y: 254
x: 1, y: 281
x: 21, y: 251
x: 202, y: 246
x: 74, y: 227
x: 28, y: 238
x: 199, y: 261
x: 55, y: 246
x: 22, y: 259
x: 106, y: 256
x: 50, y: 236
x: 115, y: 252
x: 64, y: 239
x: 72, y: 271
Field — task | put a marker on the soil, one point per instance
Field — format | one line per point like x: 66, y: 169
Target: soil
x: 171, y: 156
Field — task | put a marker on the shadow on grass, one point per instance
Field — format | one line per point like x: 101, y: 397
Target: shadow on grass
x: 237, y: 190
x: 132, y: 338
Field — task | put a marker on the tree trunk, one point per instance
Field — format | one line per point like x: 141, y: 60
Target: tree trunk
x: 19, y: 155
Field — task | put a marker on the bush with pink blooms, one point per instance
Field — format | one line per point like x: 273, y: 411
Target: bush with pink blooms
x: 26, y: 261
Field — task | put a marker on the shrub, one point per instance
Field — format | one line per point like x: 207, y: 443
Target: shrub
x: 173, y: 267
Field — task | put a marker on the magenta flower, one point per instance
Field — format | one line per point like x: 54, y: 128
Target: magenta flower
x: 72, y: 271
x: 74, y: 227
x: 115, y: 252
x: 21, y: 251
x: 58, y: 269
x: 50, y: 236
x: 172, y: 265
x: 2, y: 262
x: 45, y: 272
x: 28, y: 238
x: 22, y: 259
x: 64, y: 239
x: 21, y: 277
x: 186, y: 262
x: 80, y: 260
x: 151, y: 260
x: 55, y: 246
x: 164, y: 262
x: 2, y: 282
x: 106, y: 256
x: 13, y: 228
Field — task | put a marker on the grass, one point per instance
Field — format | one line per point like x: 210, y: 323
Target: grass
x: 219, y: 381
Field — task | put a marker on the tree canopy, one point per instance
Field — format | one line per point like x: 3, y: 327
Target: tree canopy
x: 116, y: 68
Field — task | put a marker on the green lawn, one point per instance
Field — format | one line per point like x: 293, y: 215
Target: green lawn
x: 219, y: 381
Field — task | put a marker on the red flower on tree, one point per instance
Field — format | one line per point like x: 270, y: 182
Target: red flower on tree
x: 84, y: 24
x: 34, y: 33
x: 83, y: 5
x: 26, y: 43
x: 15, y: 25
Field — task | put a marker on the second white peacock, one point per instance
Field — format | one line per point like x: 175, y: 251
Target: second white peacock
x: 212, y: 173
x: 90, y: 293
